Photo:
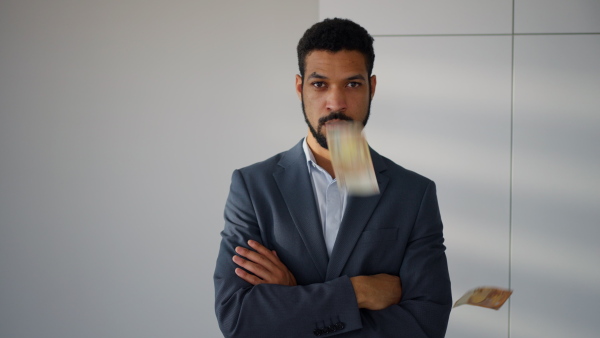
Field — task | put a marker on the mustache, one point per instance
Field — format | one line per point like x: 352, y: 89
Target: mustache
x: 336, y: 115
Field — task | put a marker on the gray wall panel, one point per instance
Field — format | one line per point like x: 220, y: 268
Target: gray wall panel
x: 384, y: 17
x: 442, y: 108
x: 556, y: 190
x: 557, y: 16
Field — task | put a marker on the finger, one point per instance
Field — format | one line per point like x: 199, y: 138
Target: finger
x: 277, y: 269
x: 257, y: 257
x: 254, y: 256
x: 268, y: 254
x: 250, y: 278
x: 254, y: 268
x: 271, y: 255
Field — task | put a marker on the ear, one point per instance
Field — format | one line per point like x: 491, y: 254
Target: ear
x: 373, y: 81
x: 299, y: 86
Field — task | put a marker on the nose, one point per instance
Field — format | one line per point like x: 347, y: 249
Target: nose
x: 336, y: 99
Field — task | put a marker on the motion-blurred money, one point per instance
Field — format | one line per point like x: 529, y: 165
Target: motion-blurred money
x: 489, y: 297
x: 351, y: 158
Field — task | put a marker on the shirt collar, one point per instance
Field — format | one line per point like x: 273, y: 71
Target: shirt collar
x: 311, y: 163
x: 310, y: 158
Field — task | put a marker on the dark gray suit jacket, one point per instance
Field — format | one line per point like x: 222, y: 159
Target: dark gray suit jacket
x: 398, y: 232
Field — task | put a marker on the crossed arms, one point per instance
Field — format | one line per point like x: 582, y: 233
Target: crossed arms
x: 261, y: 292
x: 372, y: 292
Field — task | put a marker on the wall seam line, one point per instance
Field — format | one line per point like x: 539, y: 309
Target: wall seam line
x: 511, y: 167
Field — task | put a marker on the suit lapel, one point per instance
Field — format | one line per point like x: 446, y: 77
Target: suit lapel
x: 357, y: 214
x: 295, y: 186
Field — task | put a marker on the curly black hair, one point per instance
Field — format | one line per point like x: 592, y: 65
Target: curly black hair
x: 334, y: 35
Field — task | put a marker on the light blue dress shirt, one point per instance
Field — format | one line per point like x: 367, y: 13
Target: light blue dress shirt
x: 330, y: 198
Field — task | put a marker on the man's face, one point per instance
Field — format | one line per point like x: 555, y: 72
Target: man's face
x: 335, y: 87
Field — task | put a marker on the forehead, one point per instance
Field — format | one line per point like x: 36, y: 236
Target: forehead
x: 329, y: 63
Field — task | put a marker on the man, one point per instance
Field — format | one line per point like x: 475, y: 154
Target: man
x: 300, y: 258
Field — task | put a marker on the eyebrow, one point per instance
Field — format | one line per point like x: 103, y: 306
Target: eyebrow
x: 357, y: 77
x: 315, y: 75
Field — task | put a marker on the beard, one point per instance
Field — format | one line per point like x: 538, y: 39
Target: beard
x: 318, y: 132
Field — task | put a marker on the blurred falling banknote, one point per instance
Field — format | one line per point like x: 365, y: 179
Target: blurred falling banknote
x: 351, y: 158
x: 489, y: 297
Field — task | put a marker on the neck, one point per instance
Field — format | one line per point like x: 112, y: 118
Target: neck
x: 322, y: 155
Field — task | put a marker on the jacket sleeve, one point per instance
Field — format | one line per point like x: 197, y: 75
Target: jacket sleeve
x: 269, y: 310
x: 329, y: 308
x: 426, y: 301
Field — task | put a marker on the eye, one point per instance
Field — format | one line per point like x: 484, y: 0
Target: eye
x: 354, y: 84
x: 318, y: 84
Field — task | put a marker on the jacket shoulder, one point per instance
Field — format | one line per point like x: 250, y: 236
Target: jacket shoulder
x: 275, y: 162
x: 396, y: 171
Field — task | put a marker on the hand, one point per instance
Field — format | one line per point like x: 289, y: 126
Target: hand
x: 264, y: 265
x: 378, y: 291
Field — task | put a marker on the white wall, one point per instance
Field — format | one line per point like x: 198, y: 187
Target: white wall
x: 120, y: 124
x: 501, y: 107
